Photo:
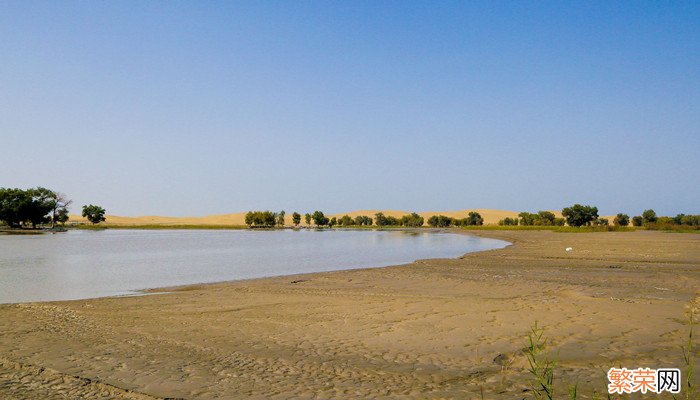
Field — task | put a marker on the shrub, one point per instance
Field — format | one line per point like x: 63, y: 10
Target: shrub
x: 440, y: 221
x: 578, y: 215
x: 507, y: 221
x: 621, y: 220
x: 649, y: 216
x: 413, y: 220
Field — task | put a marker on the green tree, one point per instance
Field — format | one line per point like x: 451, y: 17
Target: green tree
x: 474, y: 218
x: 319, y: 218
x: 333, y: 222
x: 346, y: 220
x: 94, y: 214
x: 32, y: 206
x: 621, y: 220
x: 637, y: 220
x: 14, y: 204
x: 266, y: 219
x: 380, y: 219
x: 546, y: 218
x: 296, y: 218
x: 507, y: 221
x: 363, y: 220
x: 412, y: 220
x: 280, y: 218
x: 528, y: 219
x: 61, y: 216
x: 440, y: 221
x: 392, y: 221
x: 578, y: 215
x: 307, y: 218
x: 649, y: 216
x: 59, y: 208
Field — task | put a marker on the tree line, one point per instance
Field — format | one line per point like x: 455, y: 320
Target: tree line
x: 34, y: 207
x: 579, y: 215
x: 269, y: 219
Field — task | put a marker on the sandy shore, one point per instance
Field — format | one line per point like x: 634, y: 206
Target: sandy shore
x: 431, y: 329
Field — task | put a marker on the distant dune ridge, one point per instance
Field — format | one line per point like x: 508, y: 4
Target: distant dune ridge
x: 490, y: 217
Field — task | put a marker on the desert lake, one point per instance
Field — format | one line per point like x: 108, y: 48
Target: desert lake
x: 85, y: 264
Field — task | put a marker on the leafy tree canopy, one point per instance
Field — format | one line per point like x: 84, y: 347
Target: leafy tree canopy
x: 94, y: 214
x: 578, y: 215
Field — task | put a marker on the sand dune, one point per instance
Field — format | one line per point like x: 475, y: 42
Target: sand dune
x: 490, y: 216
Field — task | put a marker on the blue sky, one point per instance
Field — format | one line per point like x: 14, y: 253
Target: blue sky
x: 193, y: 108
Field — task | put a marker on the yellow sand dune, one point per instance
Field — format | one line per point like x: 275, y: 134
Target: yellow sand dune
x: 490, y: 216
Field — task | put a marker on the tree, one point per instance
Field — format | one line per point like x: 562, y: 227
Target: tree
x: 363, y: 220
x: 392, y: 221
x: 412, y: 220
x: 637, y: 220
x: 333, y: 222
x: 546, y: 218
x: 265, y: 219
x: 649, y: 216
x: 280, y: 218
x: 346, y: 220
x: 32, y: 206
x: 621, y: 220
x: 307, y: 218
x: 60, y: 204
x: 94, y: 214
x: 61, y: 216
x: 602, y: 222
x: 296, y: 218
x: 578, y: 215
x: 319, y: 218
x: 528, y: 219
x: 13, y: 206
x: 380, y: 219
x: 41, y: 206
x: 440, y: 221
x: 507, y: 221
x: 474, y: 218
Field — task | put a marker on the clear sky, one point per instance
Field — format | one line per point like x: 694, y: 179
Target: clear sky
x: 203, y: 107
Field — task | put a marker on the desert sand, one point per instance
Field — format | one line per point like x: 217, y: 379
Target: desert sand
x: 238, y: 219
x: 448, y: 328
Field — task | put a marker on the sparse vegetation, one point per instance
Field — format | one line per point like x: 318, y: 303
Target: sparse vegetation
x: 542, y: 366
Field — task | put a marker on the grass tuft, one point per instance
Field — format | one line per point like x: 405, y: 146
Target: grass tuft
x: 541, y: 365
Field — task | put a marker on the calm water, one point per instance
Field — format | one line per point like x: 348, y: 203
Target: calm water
x: 86, y: 264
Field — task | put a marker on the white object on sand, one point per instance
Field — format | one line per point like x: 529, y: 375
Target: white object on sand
x: 569, y: 249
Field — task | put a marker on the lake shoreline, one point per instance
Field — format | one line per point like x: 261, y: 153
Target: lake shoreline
x: 88, y: 265
x: 432, y: 328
